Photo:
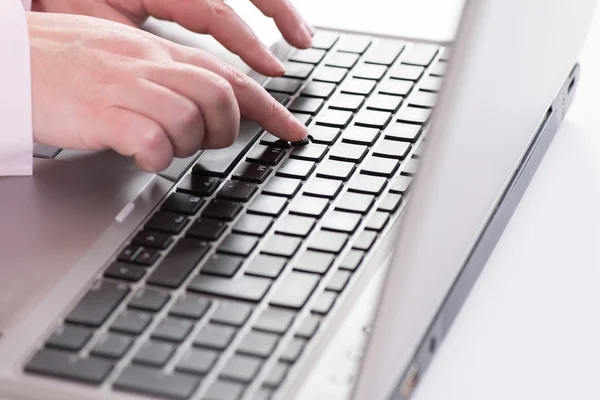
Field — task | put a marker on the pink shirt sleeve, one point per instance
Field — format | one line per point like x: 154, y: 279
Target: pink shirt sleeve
x: 16, y: 137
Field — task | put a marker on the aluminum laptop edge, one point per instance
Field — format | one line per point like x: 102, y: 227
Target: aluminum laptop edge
x: 74, y: 223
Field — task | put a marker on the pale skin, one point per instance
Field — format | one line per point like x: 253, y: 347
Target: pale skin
x: 100, y: 82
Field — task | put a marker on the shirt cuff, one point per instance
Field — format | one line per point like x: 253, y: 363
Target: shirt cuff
x: 16, y: 137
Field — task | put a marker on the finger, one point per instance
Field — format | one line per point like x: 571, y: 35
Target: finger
x: 254, y: 101
x: 216, y: 18
x: 134, y: 135
x: 211, y: 93
x: 289, y: 21
x: 179, y: 117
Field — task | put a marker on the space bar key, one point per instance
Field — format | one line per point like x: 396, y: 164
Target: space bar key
x: 221, y: 162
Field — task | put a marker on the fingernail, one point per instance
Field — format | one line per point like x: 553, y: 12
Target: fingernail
x: 274, y: 62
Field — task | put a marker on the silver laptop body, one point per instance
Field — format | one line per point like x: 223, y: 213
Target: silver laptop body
x: 509, y: 83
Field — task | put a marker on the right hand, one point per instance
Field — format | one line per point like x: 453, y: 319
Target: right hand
x: 97, y: 84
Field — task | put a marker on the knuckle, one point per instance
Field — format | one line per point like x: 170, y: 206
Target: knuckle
x: 275, y: 111
x: 235, y: 77
x: 152, y: 140
x: 222, y: 92
x: 188, y: 114
x: 219, y: 9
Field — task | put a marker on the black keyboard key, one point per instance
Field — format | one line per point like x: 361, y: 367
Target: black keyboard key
x: 342, y: 60
x: 148, y: 381
x: 241, y: 368
x: 324, y: 134
x: 293, y: 350
x: 361, y: 87
x: 367, y: 184
x: 354, y: 44
x: 283, y: 85
x: 131, y: 322
x: 324, y: 40
x: 147, y: 257
x: 338, y: 170
x: 282, y: 98
x: 401, y: 185
x: 352, y: 260
x: 271, y: 140
x: 407, y: 72
x: 392, y: 149
x: 341, y: 222
x: 385, y: 52
x: 69, y: 337
x: 310, y: 152
x: 331, y: 75
x: 148, y: 299
x: 222, y: 265
x: 248, y: 288
x: 423, y: 99
x: 391, y: 202
x: 338, y: 281
x: 314, y: 262
x: 281, y: 246
x: 154, y: 353
x: 349, y: 153
x: 335, y: 118
x: 298, y: 70
x: 112, y: 345
x: 384, y: 102
x: 214, y: 336
x: 309, y: 206
x: 403, y: 132
x: 239, y: 245
x: 207, y: 229
x: 183, y: 203
x: 395, y: 87
x: 190, y: 306
x: 255, y: 225
x: 222, y: 209
x: 293, y: 225
x: 304, y: 119
x: 251, y: 172
x: 324, y: 303
x: 167, y: 222
x: 266, y: 266
x: 65, y: 365
x: 309, y: 327
x: 258, y: 344
x: 125, y: 272
x: 378, y: 221
x: 296, y: 169
x: 153, y: 239
x: 328, y: 242
x: 431, y: 84
x: 198, y: 185
x: 378, y: 166
x: 173, y: 329
x: 197, y: 361
x: 307, y: 105
x: 355, y: 203
x: 439, y: 69
x: 361, y: 135
x: 308, y: 56
x: 420, y: 54
x: 283, y: 187
x: 414, y: 115
x: 231, y: 313
x: 275, y: 320
x: 322, y: 90
x: 179, y: 263
x: 365, y: 241
x: 129, y: 253
x: 294, y: 290
x: 319, y: 187
x: 237, y: 191
x: 98, y: 303
x: 347, y: 102
x: 270, y: 206
x: 369, y: 71
x: 276, y: 376
x: 224, y: 390
x: 266, y: 155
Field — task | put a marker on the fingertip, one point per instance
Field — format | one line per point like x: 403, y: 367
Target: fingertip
x: 298, y: 130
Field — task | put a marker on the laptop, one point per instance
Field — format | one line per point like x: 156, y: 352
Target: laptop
x: 271, y: 270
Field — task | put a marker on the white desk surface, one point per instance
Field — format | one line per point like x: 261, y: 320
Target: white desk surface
x: 531, y: 327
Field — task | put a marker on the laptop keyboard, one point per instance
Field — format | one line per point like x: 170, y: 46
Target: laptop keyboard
x: 220, y: 292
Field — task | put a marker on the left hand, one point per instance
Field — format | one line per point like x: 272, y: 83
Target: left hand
x: 212, y: 17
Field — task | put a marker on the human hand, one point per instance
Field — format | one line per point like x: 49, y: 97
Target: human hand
x: 98, y: 84
x: 212, y: 17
